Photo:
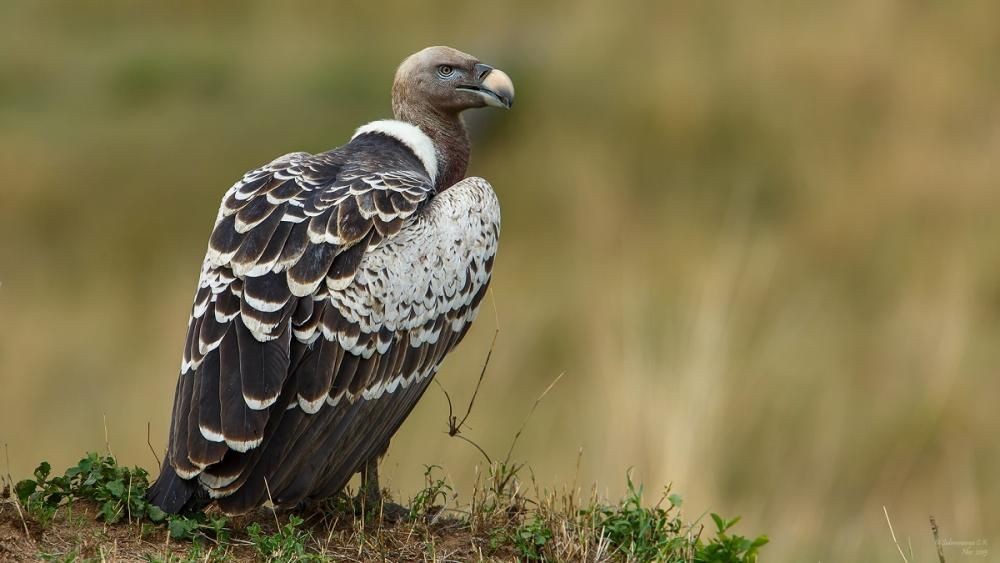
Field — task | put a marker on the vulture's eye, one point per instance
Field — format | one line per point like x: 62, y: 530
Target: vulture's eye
x: 444, y: 71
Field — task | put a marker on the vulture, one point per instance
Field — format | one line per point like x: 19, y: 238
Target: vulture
x: 333, y: 287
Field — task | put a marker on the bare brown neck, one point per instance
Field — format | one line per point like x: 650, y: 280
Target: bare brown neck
x: 448, y: 134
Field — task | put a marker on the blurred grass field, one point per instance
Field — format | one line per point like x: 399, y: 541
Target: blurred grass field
x: 762, y: 240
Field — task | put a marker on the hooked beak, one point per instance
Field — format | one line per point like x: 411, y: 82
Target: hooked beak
x: 494, y: 86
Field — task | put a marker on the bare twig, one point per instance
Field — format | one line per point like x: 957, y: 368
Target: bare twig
x: 455, y: 425
x: 507, y: 471
x: 893, y: 533
x: 447, y: 397
x: 150, y: 444
x: 937, y: 540
x: 477, y: 446
x: 456, y: 428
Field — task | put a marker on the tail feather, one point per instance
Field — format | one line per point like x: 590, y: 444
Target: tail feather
x: 171, y: 493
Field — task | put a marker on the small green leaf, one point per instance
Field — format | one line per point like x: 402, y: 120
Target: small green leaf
x: 116, y: 488
x: 719, y: 522
x: 109, y: 512
x: 155, y: 513
x: 181, y: 528
x: 24, y: 489
x: 42, y: 471
x: 85, y: 464
x: 675, y: 500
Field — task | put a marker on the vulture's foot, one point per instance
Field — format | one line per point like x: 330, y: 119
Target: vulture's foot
x: 392, y: 512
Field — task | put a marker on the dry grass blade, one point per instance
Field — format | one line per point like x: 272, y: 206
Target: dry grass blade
x: 107, y: 439
x: 524, y: 423
x: 17, y: 501
x: 267, y: 487
x: 893, y: 533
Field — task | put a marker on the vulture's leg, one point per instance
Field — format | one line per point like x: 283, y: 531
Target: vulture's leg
x: 370, y: 495
x: 370, y: 500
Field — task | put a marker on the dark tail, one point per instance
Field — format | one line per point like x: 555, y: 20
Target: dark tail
x: 170, y: 492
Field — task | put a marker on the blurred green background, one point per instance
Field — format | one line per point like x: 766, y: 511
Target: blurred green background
x: 761, y: 239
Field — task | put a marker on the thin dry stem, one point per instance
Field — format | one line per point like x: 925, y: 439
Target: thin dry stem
x: 456, y: 428
x: 17, y: 501
x: 893, y: 533
x: 149, y: 443
x: 524, y: 423
x: 107, y: 440
x: 937, y: 540
x: 274, y: 512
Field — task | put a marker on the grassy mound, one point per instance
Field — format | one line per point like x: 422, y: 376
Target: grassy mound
x: 96, y: 511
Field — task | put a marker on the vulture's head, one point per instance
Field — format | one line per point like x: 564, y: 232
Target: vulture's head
x: 449, y: 82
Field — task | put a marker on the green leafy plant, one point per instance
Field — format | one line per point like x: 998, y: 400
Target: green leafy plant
x: 657, y: 533
x: 198, y: 525
x: 638, y: 532
x: 40, y: 504
x: 435, y: 494
x: 531, y: 537
x: 119, y: 493
x: 288, y: 543
x: 724, y: 547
